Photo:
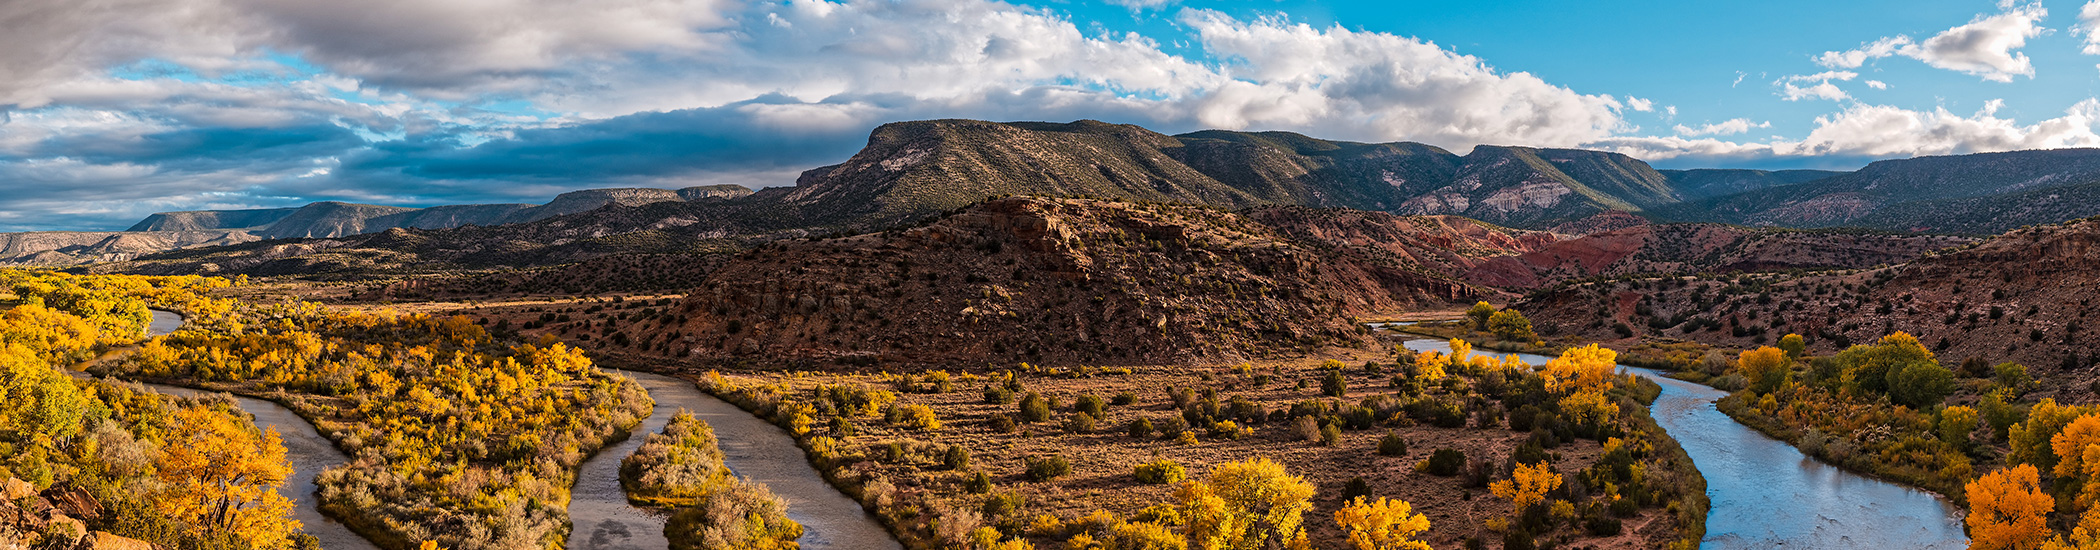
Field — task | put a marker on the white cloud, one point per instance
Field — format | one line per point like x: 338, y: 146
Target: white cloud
x: 1814, y: 86
x: 1985, y: 46
x: 1639, y: 104
x: 1882, y: 131
x: 1876, y: 84
x: 2088, y: 23
x: 1724, y: 128
x: 1140, y: 5
x: 1363, y: 85
x: 1852, y: 59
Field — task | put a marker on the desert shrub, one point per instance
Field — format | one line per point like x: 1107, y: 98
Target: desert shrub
x: 1334, y: 384
x: 740, y: 515
x: 1002, y: 505
x: 980, y: 483
x: 1034, y: 408
x: 1444, y: 462
x: 1392, y: 445
x: 1003, y: 424
x: 1090, y: 404
x: 1330, y: 436
x: 997, y: 395
x: 1045, y: 468
x: 1160, y: 472
x: 1080, y: 423
x: 957, y: 458
x: 1141, y: 427
x: 916, y: 417
x: 1123, y: 399
x: 675, y: 466
x: 1306, y: 428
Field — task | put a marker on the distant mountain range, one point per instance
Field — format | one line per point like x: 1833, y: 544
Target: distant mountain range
x: 912, y: 171
x: 177, y: 230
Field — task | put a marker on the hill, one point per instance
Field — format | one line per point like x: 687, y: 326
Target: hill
x: 1698, y: 248
x: 913, y: 169
x: 1983, y: 193
x: 2023, y: 296
x: 1035, y: 279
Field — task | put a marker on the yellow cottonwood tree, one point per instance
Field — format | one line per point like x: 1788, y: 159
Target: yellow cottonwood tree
x: 1384, y: 524
x: 1527, y: 486
x: 1767, y: 368
x: 2008, y: 510
x: 1245, y: 505
x: 1587, y: 367
x: 222, y: 477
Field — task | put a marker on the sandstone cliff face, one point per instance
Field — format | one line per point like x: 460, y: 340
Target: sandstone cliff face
x: 1028, y: 279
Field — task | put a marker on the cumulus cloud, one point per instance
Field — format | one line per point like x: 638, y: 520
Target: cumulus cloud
x: 1140, y: 5
x: 1986, y: 46
x: 2088, y: 24
x: 1880, y: 131
x: 1878, y: 85
x: 1814, y: 86
x: 1724, y: 128
x: 176, y: 104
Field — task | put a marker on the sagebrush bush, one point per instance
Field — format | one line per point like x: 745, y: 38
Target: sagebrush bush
x: 1444, y: 462
x: 1034, y: 408
x: 1392, y: 445
x: 1045, y: 468
x: 1160, y: 472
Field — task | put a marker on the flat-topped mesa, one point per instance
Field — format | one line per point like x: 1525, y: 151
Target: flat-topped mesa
x: 198, y: 220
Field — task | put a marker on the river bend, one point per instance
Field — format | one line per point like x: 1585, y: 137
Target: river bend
x: 1767, y: 494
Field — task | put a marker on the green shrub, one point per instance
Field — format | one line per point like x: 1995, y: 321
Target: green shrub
x: 996, y: 395
x: 1392, y: 445
x: 1045, y: 468
x: 1160, y: 472
x: 1091, y: 404
x: 1034, y: 408
x: 980, y: 483
x: 1334, y: 384
x: 1444, y: 462
x: 1123, y: 399
x: 1080, y: 423
x: 1140, y: 428
x: 957, y: 458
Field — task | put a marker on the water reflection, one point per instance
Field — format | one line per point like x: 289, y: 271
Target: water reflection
x: 1767, y: 494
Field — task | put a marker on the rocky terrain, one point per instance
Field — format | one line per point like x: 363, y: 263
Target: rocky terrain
x: 2023, y: 296
x: 1033, y: 279
x: 1697, y: 248
x: 1983, y: 193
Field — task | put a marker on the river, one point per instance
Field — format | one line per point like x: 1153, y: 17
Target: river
x: 1767, y: 494
x: 752, y: 447
x: 308, y: 452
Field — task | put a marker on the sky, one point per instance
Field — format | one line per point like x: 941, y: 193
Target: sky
x: 113, y: 109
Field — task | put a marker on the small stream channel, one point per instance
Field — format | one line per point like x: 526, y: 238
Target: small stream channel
x: 1766, y: 494
x: 752, y: 447
x: 308, y: 452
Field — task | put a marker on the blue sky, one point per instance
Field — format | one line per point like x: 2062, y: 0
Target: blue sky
x: 114, y: 109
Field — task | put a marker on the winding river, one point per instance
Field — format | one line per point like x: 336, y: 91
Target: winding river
x: 1766, y: 494
x: 753, y: 448
x: 603, y: 520
x: 308, y: 452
